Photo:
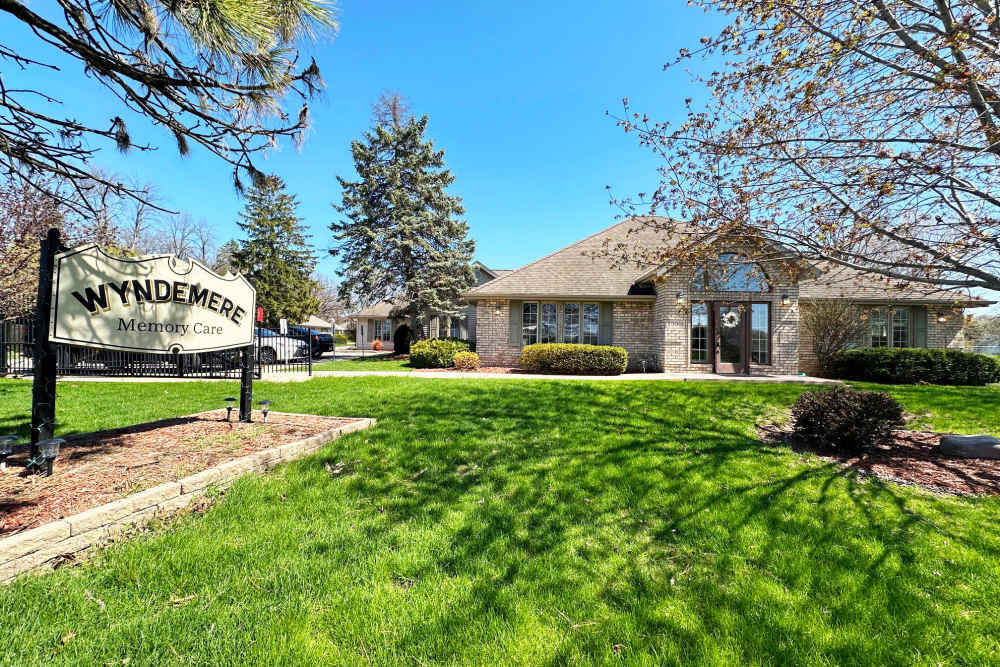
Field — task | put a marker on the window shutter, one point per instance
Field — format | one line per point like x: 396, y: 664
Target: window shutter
x: 605, y: 326
x: 514, y: 337
x: 920, y: 326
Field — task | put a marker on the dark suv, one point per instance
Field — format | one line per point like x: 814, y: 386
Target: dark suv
x: 321, y: 342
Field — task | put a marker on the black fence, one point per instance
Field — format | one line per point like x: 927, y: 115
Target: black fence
x: 272, y: 353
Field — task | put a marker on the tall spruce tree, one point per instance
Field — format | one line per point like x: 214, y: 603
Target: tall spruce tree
x: 275, y: 256
x: 401, y: 239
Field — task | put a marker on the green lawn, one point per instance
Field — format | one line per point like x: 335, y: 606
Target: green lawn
x: 526, y: 522
x: 376, y: 363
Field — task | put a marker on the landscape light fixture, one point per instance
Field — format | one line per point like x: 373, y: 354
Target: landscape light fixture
x: 48, y: 450
x: 265, y: 407
x: 942, y: 318
x: 6, y: 448
x: 230, y: 404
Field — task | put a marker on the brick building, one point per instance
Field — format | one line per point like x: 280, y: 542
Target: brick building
x: 380, y: 321
x: 726, y: 314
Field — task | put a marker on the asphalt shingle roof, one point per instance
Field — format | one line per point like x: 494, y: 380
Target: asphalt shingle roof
x: 573, y: 272
x: 841, y: 282
x: 376, y: 311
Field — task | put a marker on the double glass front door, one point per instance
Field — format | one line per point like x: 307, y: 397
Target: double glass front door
x: 731, y: 335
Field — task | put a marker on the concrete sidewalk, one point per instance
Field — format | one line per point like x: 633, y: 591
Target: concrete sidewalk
x: 645, y: 377
x: 462, y: 375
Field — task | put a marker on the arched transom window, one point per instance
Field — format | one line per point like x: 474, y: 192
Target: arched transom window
x: 730, y: 273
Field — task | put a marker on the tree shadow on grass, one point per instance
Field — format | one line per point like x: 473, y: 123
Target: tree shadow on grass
x: 626, y: 499
x: 564, y: 519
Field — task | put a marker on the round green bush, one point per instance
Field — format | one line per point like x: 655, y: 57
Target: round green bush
x: 436, y: 352
x: 904, y: 365
x: 470, y: 344
x: 845, y: 420
x: 574, y: 359
x: 339, y: 339
x: 467, y: 361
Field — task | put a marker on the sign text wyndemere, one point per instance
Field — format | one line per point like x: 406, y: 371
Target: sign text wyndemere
x: 150, y: 304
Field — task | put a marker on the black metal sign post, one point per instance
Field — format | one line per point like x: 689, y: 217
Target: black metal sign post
x: 43, y: 394
x: 246, y: 384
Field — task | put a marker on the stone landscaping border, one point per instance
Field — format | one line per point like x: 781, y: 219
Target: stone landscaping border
x: 42, y: 547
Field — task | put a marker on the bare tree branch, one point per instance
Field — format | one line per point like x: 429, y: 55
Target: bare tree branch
x: 213, y: 74
x: 866, y: 134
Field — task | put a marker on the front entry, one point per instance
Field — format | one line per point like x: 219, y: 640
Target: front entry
x: 401, y: 340
x: 731, y: 338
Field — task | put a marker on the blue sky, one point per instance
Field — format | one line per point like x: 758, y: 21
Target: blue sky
x: 516, y: 93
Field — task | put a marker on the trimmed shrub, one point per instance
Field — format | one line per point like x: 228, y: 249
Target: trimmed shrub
x: 470, y: 344
x: 574, y: 359
x: 436, y: 352
x: 339, y: 339
x: 845, y: 420
x: 467, y: 361
x: 905, y: 365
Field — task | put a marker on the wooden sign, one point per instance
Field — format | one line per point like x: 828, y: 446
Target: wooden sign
x: 154, y: 303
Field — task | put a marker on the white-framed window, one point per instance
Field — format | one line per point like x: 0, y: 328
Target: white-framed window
x: 699, y: 332
x: 547, y: 331
x: 529, y: 323
x: 890, y: 327
x: 540, y: 324
x: 760, y: 333
x: 879, y: 328
x: 591, y: 323
x: 455, y: 328
x: 383, y: 329
x: 901, y: 328
x: 571, y: 323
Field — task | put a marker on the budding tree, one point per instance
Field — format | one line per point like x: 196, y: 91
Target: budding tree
x: 864, y: 134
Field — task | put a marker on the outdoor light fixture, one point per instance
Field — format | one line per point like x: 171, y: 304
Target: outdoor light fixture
x: 499, y: 311
x: 680, y: 298
x: 6, y: 448
x: 942, y: 318
x: 48, y: 450
x: 785, y: 299
x: 265, y: 407
x: 230, y: 404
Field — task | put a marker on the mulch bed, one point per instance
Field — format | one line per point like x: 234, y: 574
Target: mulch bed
x: 913, y: 458
x: 97, y: 468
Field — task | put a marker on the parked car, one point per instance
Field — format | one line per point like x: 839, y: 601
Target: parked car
x: 273, y: 347
x: 321, y: 342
